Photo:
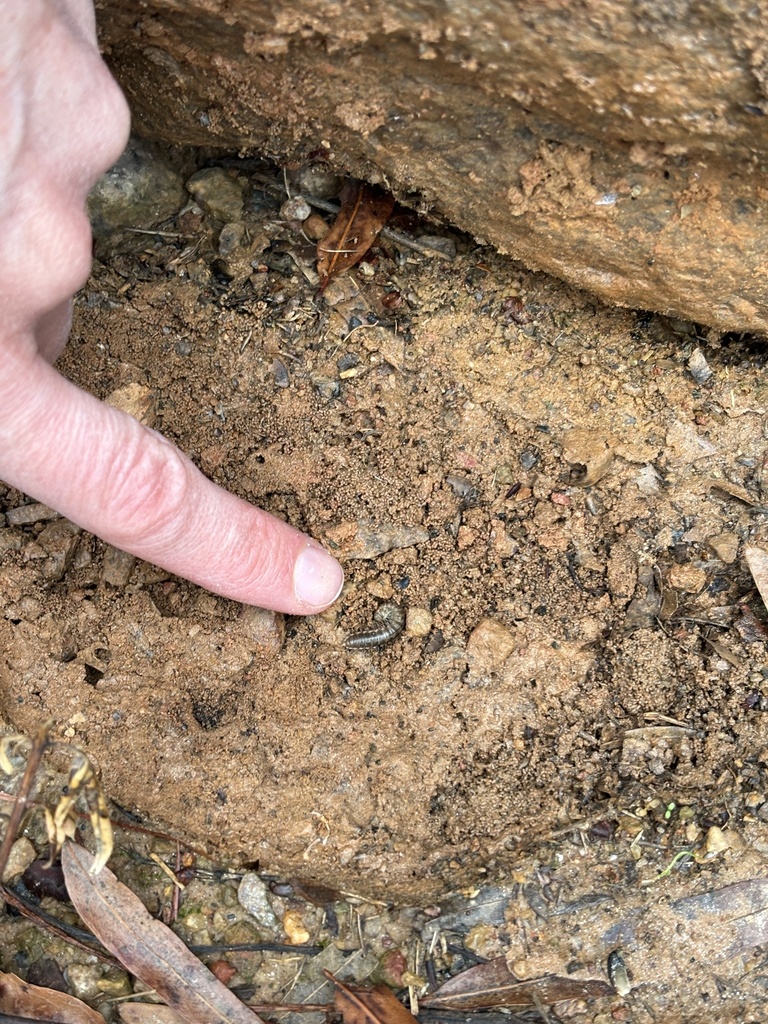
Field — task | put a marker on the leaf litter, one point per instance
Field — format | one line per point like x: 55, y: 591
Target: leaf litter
x: 365, y: 209
x: 146, y: 947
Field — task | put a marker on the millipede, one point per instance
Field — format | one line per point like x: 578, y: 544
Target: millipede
x: 390, y: 619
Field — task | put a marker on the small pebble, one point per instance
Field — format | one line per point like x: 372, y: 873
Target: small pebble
x: 219, y: 194
x: 717, y: 841
x: 293, y: 925
x: 296, y: 208
x: 84, y: 981
x: 689, y: 579
x: 20, y: 857
x: 461, y: 487
x: 115, y: 984
x: 488, y: 647
x: 418, y: 621
x: 529, y: 458
x: 230, y: 238
x: 725, y: 546
x: 699, y: 367
x: 140, y: 190
x: 59, y: 540
x: 253, y: 897
x: 315, y: 227
x: 365, y: 539
x: 138, y: 401
x: 319, y: 180
x: 117, y: 566
x: 327, y: 387
x: 265, y: 629
x: 24, y: 515
x: 280, y: 373
x: 26, y: 609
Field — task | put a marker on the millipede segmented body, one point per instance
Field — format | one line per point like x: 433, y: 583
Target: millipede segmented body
x: 617, y: 972
x: 391, y: 622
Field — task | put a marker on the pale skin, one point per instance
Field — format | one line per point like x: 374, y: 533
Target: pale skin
x: 63, y: 122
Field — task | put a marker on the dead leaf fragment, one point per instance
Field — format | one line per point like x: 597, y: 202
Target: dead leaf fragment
x: 146, y: 947
x: 19, y: 999
x: 148, y: 1013
x: 492, y: 984
x: 376, y: 1005
x: 757, y: 560
x: 365, y: 209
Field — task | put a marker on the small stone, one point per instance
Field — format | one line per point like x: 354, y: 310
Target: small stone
x: 340, y: 289
x: 223, y: 971
x: 84, y: 981
x: 418, y: 621
x: 26, y: 609
x: 138, y: 401
x: 21, y: 856
x: 59, y: 541
x: 699, y: 367
x: 529, y: 457
x: 717, y: 841
x: 390, y: 969
x: 252, y: 895
x: 319, y: 181
x: 465, y: 537
x: 47, y: 974
x: 483, y: 939
x: 139, y: 191
x: 296, y: 208
x: 327, y: 387
x: 315, y: 227
x: 265, y: 629
x: 117, y: 566
x: 725, y: 546
x: 364, y: 539
x: 24, y: 515
x: 504, y: 475
x: 461, y: 487
x: 230, y: 237
x: 115, y: 984
x: 294, y: 928
x: 219, y: 194
x: 489, y: 646
x: 687, y: 578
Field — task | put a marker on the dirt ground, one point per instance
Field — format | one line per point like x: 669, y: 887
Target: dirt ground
x: 559, y: 495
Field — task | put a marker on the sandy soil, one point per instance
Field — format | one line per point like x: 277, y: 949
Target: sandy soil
x: 544, y: 484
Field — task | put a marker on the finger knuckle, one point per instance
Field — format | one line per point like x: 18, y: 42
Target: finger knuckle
x: 148, y: 493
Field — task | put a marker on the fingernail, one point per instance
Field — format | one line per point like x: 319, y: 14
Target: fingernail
x: 317, y: 577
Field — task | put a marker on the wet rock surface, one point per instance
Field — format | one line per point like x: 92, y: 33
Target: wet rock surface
x: 621, y: 148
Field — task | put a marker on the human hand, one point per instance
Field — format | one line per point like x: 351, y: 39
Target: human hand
x: 63, y: 122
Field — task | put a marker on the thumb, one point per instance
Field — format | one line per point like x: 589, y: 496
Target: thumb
x: 116, y: 478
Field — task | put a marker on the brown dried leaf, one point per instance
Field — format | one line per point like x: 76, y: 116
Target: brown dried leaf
x: 364, y: 211
x: 149, y: 1013
x: 492, y: 984
x: 147, y: 948
x: 377, y: 1005
x: 757, y: 560
x: 17, y: 998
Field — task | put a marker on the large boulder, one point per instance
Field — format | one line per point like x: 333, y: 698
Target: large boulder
x: 620, y: 147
